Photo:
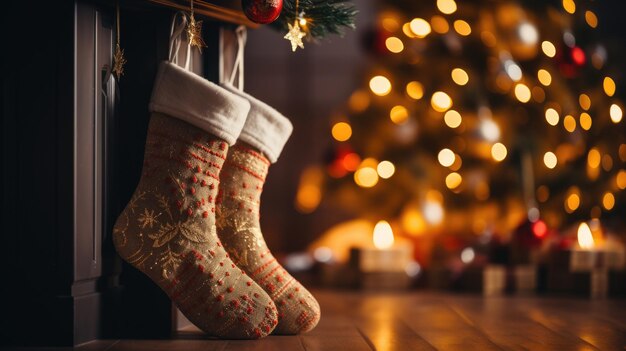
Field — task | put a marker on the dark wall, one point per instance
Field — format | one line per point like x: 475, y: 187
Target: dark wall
x: 36, y: 158
x: 71, y: 153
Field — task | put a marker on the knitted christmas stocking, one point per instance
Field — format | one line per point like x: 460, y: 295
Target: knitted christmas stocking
x: 167, y: 230
x: 264, y: 134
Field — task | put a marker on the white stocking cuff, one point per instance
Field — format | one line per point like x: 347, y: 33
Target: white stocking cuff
x: 266, y: 129
x: 185, y: 95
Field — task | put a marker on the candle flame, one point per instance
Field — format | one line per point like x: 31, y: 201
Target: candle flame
x: 383, y: 235
x: 585, y: 239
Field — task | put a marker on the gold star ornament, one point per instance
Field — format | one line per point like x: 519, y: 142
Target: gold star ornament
x: 295, y: 36
x: 194, y: 33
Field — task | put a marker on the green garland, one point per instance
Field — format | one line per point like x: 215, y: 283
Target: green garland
x: 323, y: 17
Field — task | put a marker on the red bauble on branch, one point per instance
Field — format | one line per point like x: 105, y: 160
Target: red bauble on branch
x: 262, y: 11
x: 571, y: 60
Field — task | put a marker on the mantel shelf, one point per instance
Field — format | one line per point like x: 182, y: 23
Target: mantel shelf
x: 222, y: 10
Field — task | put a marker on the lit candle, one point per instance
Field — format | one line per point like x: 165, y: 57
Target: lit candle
x: 588, y: 258
x: 384, y: 264
x: 585, y: 257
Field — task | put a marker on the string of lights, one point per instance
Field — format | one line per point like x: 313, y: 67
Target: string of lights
x: 486, y: 113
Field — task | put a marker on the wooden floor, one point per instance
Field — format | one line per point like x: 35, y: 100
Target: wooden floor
x: 425, y: 321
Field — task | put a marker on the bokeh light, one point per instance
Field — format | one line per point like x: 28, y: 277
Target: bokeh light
x: 380, y: 85
x: 341, y: 131
x: 441, y: 101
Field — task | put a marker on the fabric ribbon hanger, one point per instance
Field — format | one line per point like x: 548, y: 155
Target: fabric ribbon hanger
x: 179, y: 24
x: 237, y: 72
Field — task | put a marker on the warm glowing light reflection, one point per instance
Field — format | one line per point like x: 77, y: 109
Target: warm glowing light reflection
x: 398, y: 114
x: 584, y: 101
x: 341, y: 131
x: 309, y: 193
x: 441, y: 101
x: 459, y: 76
x: 572, y: 202
x: 569, y: 122
x: 415, y: 90
x: 446, y: 157
x: 489, y: 130
x: 462, y: 27
x: 366, y: 177
x: 608, y: 201
x: 528, y: 33
x: 394, y: 45
x: 498, y: 152
x: 620, y: 179
x: 545, y: 78
x: 383, y: 235
x: 569, y: 6
x: 609, y: 86
x: 513, y: 70
x: 439, y: 24
x: 552, y: 117
x: 420, y: 27
x: 406, y: 29
x: 453, y: 180
x: 446, y: 6
x: 433, y: 212
x: 467, y: 255
x: 452, y: 119
x: 585, y: 238
x: 390, y: 24
x: 591, y: 19
x: 351, y: 161
x: 385, y: 169
x: 548, y: 48
x: 616, y: 113
x: 522, y: 93
x: 412, y: 220
x: 594, y: 158
x: 380, y: 85
x: 549, y: 159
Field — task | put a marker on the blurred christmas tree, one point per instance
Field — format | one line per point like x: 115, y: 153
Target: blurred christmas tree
x: 478, y: 116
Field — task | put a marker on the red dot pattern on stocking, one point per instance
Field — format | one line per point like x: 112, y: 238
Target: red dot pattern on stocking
x: 238, y: 227
x: 168, y: 232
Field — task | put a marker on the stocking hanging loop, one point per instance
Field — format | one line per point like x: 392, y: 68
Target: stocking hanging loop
x: 237, y: 72
x: 179, y: 24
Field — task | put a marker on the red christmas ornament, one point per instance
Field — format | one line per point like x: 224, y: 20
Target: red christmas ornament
x: 578, y: 56
x: 540, y: 229
x: 571, y: 60
x: 262, y: 11
x: 341, y: 160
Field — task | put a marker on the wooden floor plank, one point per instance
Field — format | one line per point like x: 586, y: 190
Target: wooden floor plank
x: 442, y: 328
x: 390, y: 335
x: 333, y: 325
x: 321, y: 343
x: 509, y: 327
x: 169, y: 345
x: 356, y: 321
x: 585, y: 326
x: 271, y: 343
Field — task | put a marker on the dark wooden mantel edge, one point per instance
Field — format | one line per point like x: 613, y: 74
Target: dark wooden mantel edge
x: 208, y: 9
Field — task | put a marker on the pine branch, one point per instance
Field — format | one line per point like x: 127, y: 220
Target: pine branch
x: 323, y: 17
